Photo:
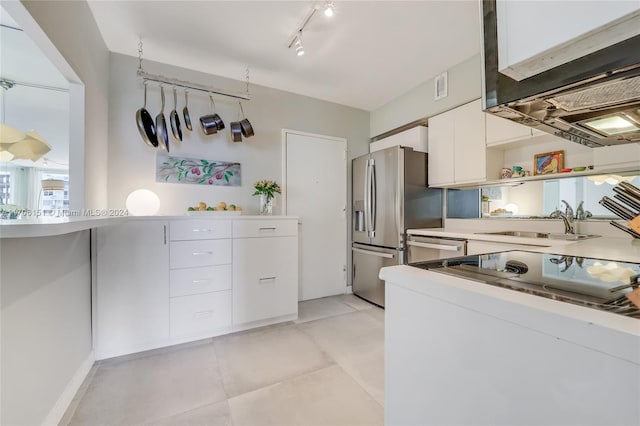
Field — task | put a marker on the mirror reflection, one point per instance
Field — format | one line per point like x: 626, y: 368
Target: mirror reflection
x: 34, y: 137
x: 539, y: 199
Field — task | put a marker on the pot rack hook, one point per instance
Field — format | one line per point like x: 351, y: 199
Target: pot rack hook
x: 247, y: 79
x: 241, y: 110
x: 140, y: 54
x: 212, y: 104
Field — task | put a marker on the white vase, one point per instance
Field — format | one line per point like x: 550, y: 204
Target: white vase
x: 266, y: 205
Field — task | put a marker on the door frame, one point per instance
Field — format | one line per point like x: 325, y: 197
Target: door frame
x: 285, y: 132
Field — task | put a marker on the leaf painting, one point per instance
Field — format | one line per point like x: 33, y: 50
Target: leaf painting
x: 196, y: 171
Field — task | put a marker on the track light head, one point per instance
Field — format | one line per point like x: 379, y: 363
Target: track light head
x: 329, y: 9
x: 298, y: 45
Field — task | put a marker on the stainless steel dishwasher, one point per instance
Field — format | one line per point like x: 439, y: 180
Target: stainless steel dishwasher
x: 421, y: 249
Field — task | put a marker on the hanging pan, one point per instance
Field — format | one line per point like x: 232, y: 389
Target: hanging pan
x: 185, y: 112
x: 247, y: 128
x: 161, y: 125
x: 176, y: 129
x: 145, y: 123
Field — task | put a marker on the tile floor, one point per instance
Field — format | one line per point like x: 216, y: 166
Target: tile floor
x: 326, y: 368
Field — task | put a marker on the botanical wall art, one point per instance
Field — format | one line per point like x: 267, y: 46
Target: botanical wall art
x: 200, y: 172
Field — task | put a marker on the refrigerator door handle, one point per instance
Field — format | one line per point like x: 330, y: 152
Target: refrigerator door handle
x: 367, y: 200
x: 374, y: 253
x: 373, y: 198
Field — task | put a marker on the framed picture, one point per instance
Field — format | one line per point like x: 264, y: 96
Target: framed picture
x: 548, y: 162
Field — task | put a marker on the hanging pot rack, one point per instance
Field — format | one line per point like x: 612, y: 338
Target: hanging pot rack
x: 189, y: 85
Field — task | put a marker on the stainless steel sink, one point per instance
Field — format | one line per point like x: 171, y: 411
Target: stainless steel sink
x: 572, y: 237
x: 530, y: 234
x: 526, y: 234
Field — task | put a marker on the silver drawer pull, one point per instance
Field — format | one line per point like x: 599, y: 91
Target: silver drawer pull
x: 200, y: 281
x: 202, y: 314
x: 266, y: 229
x: 434, y: 246
x: 261, y: 280
x: 200, y: 253
x: 201, y: 230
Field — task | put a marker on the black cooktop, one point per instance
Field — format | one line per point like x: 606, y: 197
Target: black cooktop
x: 596, y: 283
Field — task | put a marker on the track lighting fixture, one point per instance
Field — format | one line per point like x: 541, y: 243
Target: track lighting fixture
x: 329, y: 9
x: 298, y: 45
x: 295, y: 41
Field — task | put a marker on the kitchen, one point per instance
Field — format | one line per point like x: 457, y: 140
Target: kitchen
x: 109, y: 77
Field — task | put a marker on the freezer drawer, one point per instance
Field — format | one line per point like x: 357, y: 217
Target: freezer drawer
x: 367, y: 261
x: 422, y: 249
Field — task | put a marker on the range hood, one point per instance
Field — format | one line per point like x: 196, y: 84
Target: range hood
x: 593, y: 100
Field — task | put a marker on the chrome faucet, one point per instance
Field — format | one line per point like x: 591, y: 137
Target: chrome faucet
x: 568, y: 211
x: 568, y: 226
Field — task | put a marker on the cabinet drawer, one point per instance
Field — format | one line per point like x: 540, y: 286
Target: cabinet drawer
x: 184, y: 282
x: 264, y: 228
x: 200, y: 314
x: 187, y: 254
x: 265, y: 278
x: 199, y: 229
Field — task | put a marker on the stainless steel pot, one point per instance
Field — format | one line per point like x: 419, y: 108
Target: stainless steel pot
x: 212, y: 122
x: 236, y: 131
x: 146, y: 128
x: 245, y: 125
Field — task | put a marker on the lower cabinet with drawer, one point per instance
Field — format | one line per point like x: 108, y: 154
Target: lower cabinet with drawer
x: 161, y: 283
x: 200, y: 315
x: 265, y: 279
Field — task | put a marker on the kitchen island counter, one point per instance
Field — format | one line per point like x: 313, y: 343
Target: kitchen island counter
x: 507, y: 357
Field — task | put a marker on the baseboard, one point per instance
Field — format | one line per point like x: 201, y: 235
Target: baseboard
x: 63, y: 402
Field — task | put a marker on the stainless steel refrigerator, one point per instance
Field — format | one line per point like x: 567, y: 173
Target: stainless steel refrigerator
x: 390, y: 195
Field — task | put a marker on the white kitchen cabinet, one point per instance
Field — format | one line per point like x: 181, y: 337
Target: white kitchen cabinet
x: 501, y: 131
x: 415, y: 138
x: 265, y: 279
x: 457, y: 148
x: 200, y: 278
x: 559, y: 37
x: 160, y: 283
x: 132, y: 288
x: 441, y: 151
x: 200, y: 315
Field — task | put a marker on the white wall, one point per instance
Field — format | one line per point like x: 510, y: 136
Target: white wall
x: 72, y: 29
x: 132, y: 163
x: 46, y: 325
x: 464, y: 86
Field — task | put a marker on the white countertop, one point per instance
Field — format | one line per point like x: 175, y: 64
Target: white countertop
x: 49, y: 226
x: 416, y: 279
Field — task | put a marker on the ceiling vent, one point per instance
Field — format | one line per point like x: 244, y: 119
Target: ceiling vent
x: 441, y: 86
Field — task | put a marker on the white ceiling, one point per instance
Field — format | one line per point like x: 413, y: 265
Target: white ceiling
x: 368, y: 53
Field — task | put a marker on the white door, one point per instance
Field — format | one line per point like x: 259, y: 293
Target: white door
x: 315, y: 190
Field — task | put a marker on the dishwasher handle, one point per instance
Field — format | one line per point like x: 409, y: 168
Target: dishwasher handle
x: 435, y: 246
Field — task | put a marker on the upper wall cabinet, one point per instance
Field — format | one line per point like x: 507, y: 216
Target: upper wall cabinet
x: 500, y: 131
x: 415, y: 137
x: 535, y: 36
x: 457, y: 149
